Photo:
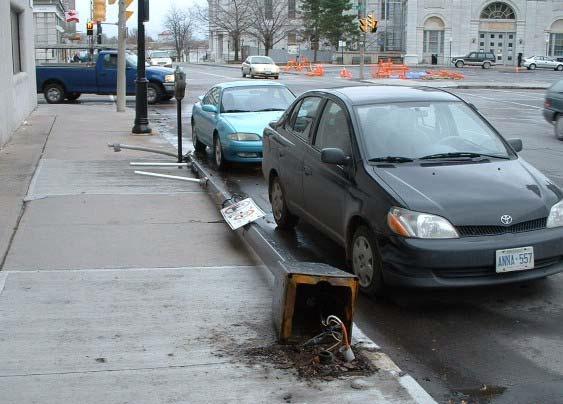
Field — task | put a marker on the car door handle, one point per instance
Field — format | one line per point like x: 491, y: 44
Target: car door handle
x: 281, y: 153
x: 307, y: 170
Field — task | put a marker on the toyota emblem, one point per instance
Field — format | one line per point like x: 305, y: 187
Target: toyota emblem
x: 506, y: 219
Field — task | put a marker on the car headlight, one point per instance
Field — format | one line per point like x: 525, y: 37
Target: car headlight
x: 169, y: 78
x: 244, y: 137
x: 555, y: 218
x: 407, y: 223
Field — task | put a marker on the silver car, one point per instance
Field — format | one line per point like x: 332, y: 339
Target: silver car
x: 260, y: 66
x: 542, y: 62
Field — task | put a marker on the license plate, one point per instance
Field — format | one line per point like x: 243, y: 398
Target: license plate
x: 515, y: 259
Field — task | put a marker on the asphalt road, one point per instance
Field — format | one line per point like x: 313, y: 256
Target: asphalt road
x: 501, y: 344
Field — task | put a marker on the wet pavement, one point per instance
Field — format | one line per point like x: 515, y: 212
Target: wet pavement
x: 501, y: 344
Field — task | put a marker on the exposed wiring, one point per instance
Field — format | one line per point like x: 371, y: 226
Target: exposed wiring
x: 333, y: 319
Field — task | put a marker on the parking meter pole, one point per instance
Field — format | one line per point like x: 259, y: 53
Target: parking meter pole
x: 362, y: 55
x: 179, y: 93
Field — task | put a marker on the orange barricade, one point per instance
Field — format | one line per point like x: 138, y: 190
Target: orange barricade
x: 345, y: 74
x: 317, y: 70
x: 389, y: 69
x: 443, y: 74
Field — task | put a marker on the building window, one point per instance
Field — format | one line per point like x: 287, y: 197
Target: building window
x: 433, y: 41
x: 291, y: 38
x: 556, y: 45
x: 498, y: 11
x: 16, y: 41
x: 291, y: 9
x: 268, y: 9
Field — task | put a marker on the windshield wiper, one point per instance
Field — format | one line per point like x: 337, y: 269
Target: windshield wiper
x: 270, y: 109
x: 461, y: 154
x: 391, y: 159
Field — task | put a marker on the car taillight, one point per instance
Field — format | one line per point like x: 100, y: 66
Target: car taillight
x: 547, y: 104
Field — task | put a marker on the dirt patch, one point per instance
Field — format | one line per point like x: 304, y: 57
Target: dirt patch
x: 307, y: 362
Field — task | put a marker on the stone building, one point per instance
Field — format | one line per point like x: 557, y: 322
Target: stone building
x: 18, y: 96
x: 51, y: 29
x: 416, y: 29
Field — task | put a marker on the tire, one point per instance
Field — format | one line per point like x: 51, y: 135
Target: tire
x: 366, y: 261
x: 252, y: 74
x: 154, y: 93
x: 166, y: 97
x: 559, y: 68
x: 558, y: 127
x: 459, y: 64
x: 218, y: 156
x: 243, y: 73
x: 73, y: 96
x: 277, y: 77
x: 532, y: 66
x: 487, y: 65
x: 198, y: 146
x: 54, y: 93
x: 283, y: 217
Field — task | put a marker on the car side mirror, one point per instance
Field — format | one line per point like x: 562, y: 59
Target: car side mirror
x: 200, y: 97
x: 334, y: 156
x: 516, y: 144
x: 209, y: 108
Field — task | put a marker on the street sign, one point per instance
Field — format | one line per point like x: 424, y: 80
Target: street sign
x: 242, y: 213
x: 72, y: 16
x: 341, y: 44
x: 293, y: 49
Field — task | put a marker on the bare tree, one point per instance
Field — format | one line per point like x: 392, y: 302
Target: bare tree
x: 271, y: 22
x: 234, y: 17
x: 179, y: 23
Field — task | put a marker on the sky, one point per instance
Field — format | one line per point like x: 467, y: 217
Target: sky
x: 158, y: 10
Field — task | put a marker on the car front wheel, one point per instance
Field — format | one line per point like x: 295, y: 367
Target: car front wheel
x: 532, y: 67
x: 243, y: 73
x: 153, y: 93
x: 198, y: 146
x: 283, y: 217
x: 459, y: 64
x: 220, y: 161
x: 366, y: 261
x: 559, y: 127
x: 559, y: 68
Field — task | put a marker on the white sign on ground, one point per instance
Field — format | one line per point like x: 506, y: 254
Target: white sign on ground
x: 242, y: 213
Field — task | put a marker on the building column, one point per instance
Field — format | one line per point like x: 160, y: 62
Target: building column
x: 411, y: 40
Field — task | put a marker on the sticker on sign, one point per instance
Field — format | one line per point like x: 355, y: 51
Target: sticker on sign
x: 242, y: 213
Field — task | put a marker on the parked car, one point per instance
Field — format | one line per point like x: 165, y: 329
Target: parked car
x: 417, y: 187
x: 160, y: 58
x: 231, y: 118
x: 68, y: 81
x: 542, y: 62
x: 483, y: 59
x: 553, y: 108
x: 260, y: 66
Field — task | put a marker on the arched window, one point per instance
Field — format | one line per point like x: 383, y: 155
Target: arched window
x: 498, y: 11
x: 433, y: 36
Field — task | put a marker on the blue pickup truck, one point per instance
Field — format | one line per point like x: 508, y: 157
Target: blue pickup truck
x: 68, y: 81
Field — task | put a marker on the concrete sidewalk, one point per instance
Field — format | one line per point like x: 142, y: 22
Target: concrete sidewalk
x: 120, y: 288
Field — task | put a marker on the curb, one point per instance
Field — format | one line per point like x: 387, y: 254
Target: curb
x: 264, y: 249
x: 447, y: 85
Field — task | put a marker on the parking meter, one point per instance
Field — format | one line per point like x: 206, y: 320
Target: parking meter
x: 180, y: 92
x: 179, y: 83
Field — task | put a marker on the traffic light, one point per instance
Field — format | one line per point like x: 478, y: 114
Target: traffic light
x: 368, y: 24
x: 89, y: 28
x: 128, y: 13
x: 100, y: 10
x: 111, y: 2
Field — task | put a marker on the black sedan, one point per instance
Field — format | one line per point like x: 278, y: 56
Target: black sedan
x: 416, y: 185
x: 553, y: 108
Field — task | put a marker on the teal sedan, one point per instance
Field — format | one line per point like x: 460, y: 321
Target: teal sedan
x: 231, y: 117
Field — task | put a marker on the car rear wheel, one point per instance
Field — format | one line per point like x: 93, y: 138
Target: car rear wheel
x: 54, y: 93
x: 243, y: 73
x: 459, y: 64
x: 198, y: 146
x: 283, y: 217
x: 219, y: 158
x: 153, y: 93
x: 532, y: 66
x: 366, y: 261
x: 559, y: 68
x: 486, y: 65
x: 559, y: 127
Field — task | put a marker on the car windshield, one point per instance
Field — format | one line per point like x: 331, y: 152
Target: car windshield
x: 132, y: 60
x: 262, y: 60
x: 256, y: 99
x: 160, y: 55
x: 428, y: 130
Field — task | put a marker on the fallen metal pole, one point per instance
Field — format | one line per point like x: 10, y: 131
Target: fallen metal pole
x: 117, y: 148
x: 171, y: 177
x: 147, y: 164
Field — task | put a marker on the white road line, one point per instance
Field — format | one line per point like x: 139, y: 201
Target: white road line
x: 214, y: 75
x: 520, y: 94
x: 497, y: 100
x: 3, y: 277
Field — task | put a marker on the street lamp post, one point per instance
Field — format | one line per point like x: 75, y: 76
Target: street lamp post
x: 450, y: 60
x: 141, y: 109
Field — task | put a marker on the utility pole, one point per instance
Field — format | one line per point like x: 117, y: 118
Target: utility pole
x: 141, y: 109
x: 121, y: 63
